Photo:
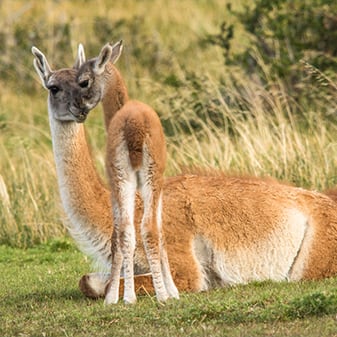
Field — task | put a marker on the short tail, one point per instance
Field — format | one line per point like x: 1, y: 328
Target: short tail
x: 135, y: 138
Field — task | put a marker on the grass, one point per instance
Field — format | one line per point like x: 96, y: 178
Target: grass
x: 44, y: 301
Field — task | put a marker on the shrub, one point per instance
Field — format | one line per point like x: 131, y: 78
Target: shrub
x: 289, y: 39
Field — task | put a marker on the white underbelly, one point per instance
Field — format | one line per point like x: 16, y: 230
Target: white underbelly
x: 271, y: 258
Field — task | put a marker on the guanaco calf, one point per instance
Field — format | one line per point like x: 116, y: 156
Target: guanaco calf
x: 135, y: 160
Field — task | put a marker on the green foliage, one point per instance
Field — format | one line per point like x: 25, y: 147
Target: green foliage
x: 222, y: 39
x: 315, y: 304
x: 17, y: 38
x: 284, y: 33
x: 141, y: 43
x: 287, y: 31
x: 54, y: 37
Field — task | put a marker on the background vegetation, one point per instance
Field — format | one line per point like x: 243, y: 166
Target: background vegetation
x: 242, y: 86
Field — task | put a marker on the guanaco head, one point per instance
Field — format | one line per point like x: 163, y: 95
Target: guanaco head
x: 91, y: 76
x: 61, y: 85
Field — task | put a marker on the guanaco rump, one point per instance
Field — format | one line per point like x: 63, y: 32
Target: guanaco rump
x: 135, y: 160
x: 219, y: 230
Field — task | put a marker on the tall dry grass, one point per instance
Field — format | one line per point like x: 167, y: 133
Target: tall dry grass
x: 266, y: 138
x: 214, y: 117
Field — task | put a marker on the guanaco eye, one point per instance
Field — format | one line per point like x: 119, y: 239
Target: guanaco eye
x: 84, y: 84
x: 54, y: 89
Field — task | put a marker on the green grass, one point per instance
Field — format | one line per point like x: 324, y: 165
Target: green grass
x: 39, y: 297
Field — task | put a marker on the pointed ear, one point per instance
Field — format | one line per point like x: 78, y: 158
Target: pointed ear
x: 102, y: 59
x: 116, y: 51
x: 80, y: 59
x: 41, y: 66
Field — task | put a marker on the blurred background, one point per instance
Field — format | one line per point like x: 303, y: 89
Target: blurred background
x: 241, y: 86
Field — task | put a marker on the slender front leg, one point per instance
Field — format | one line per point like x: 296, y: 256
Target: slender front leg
x: 127, y: 195
x: 112, y: 288
x: 168, y: 280
x: 150, y: 236
x: 128, y: 243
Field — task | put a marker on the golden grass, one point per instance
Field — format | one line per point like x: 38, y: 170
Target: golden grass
x: 269, y: 140
x: 255, y: 129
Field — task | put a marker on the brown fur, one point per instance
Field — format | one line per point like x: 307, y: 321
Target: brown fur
x: 137, y: 124
x: 332, y: 194
x: 185, y: 196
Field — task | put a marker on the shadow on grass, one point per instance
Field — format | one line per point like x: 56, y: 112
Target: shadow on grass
x: 44, y: 296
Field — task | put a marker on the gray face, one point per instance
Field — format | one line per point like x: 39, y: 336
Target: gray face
x: 89, y: 85
x: 63, y: 88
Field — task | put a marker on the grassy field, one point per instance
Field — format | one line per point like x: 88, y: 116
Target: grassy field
x: 39, y: 297
x: 214, y: 117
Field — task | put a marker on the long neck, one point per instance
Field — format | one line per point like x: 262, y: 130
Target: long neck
x: 115, y: 94
x: 85, y: 199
